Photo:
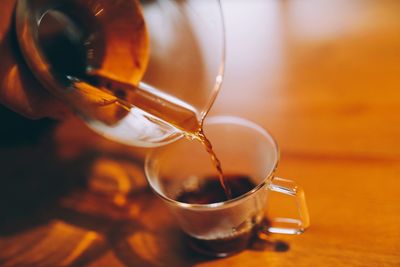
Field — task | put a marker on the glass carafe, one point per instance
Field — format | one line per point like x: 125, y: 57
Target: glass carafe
x: 141, y: 73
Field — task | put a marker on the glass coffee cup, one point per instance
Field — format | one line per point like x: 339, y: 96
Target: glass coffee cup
x: 183, y: 177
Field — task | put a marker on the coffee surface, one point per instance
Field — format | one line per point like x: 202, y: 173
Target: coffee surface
x: 210, y: 189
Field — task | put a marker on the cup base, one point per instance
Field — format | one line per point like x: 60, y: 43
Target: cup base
x: 222, y: 247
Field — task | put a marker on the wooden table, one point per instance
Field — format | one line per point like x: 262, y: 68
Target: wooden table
x: 322, y: 76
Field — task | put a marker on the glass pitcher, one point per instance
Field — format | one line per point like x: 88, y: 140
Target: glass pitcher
x: 141, y: 73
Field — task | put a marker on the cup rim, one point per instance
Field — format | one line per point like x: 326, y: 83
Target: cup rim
x: 220, y: 120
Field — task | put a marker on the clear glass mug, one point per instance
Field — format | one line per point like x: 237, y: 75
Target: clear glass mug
x: 138, y: 72
x: 245, y: 150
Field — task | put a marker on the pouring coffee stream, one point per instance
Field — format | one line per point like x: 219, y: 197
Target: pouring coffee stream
x: 180, y: 117
x: 93, y: 56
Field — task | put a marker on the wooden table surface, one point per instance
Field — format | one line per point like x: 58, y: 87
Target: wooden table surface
x: 322, y: 76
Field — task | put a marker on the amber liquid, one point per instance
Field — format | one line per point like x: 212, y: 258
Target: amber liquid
x: 210, y: 191
x: 102, y: 57
x: 215, y: 161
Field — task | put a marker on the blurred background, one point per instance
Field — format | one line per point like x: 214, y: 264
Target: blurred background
x: 321, y: 76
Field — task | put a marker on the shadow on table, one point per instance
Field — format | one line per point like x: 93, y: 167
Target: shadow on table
x: 77, y: 200
x: 71, y: 198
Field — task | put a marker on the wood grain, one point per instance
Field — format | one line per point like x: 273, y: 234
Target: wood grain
x: 322, y: 76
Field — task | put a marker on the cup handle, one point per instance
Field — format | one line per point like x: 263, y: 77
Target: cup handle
x: 289, y: 225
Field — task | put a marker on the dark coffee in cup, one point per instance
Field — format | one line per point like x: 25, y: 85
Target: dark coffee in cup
x: 210, y: 191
